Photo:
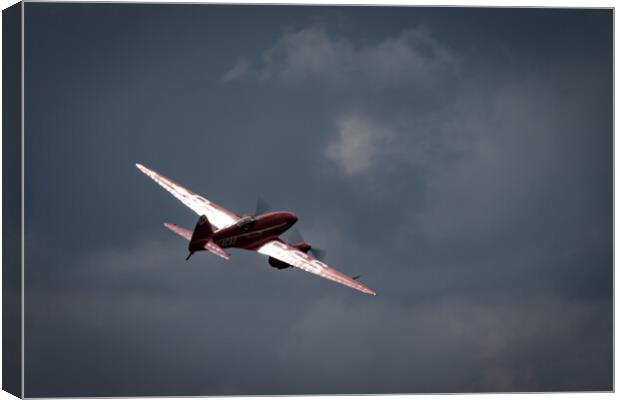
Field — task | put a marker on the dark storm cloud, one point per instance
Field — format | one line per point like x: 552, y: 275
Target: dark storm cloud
x: 134, y: 323
x: 463, y: 170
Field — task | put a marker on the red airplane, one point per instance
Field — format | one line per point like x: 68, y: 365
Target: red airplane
x: 251, y: 232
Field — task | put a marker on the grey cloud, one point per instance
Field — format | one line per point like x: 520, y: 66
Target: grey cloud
x: 419, y: 349
x: 362, y: 144
x: 513, y: 155
x: 414, y: 54
x: 240, y: 70
x: 490, y: 156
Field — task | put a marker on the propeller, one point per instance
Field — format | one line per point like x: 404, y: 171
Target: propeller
x: 296, y: 237
x: 261, y: 206
x: 319, y: 253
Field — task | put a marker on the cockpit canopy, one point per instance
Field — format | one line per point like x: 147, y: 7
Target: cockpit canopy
x: 246, y: 222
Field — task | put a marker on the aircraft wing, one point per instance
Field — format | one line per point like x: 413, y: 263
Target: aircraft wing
x: 218, y: 216
x: 283, y: 252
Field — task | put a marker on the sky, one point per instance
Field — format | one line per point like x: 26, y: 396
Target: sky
x: 460, y: 160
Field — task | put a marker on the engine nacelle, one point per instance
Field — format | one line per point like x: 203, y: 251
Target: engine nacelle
x: 275, y: 263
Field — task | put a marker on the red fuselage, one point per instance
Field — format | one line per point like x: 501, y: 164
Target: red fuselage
x: 252, y: 232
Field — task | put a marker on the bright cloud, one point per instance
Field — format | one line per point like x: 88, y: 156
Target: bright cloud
x: 358, y: 144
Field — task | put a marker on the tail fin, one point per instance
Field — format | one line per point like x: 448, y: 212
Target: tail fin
x: 202, y: 232
x: 200, y: 239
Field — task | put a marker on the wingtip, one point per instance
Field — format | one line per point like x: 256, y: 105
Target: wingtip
x: 369, y: 291
x: 140, y: 167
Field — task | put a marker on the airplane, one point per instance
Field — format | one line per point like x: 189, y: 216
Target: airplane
x: 260, y: 232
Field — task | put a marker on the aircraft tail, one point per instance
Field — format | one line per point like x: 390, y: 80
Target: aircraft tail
x: 202, y: 232
x: 200, y: 239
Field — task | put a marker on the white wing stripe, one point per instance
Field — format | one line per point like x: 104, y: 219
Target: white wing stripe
x: 218, y: 216
x: 303, y: 261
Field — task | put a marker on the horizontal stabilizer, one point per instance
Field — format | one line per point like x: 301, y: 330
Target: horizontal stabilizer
x: 215, y: 249
x: 179, y: 231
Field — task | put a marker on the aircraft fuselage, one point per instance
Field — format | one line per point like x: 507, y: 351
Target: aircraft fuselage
x: 252, y: 232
